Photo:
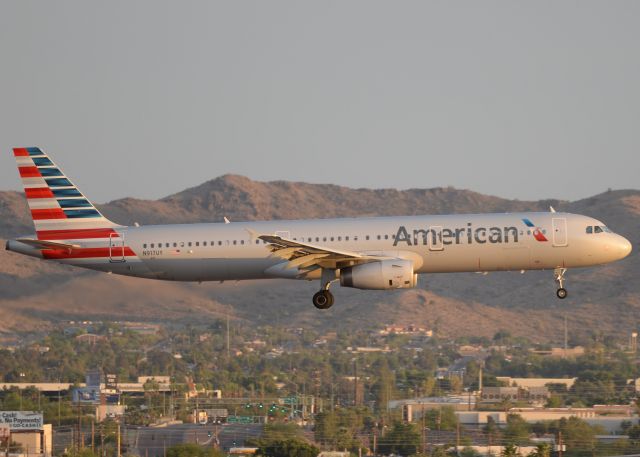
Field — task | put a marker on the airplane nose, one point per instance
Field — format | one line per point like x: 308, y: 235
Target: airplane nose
x: 624, y: 247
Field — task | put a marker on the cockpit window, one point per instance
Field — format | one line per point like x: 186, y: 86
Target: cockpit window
x: 606, y: 229
x: 590, y: 229
x: 597, y: 229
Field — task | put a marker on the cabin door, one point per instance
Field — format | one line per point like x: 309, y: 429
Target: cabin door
x: 116, y: 247
x: 560, y: 232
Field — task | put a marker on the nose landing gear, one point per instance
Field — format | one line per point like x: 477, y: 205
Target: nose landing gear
x: 558, y: 274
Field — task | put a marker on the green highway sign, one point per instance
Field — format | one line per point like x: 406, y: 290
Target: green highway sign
x: 290, y: 400
x: 240, y: 420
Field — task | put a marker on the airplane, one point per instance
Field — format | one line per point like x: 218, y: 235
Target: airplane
x: 379, y: 253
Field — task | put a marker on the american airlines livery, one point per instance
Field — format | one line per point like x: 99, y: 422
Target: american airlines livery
x: 365, y: 253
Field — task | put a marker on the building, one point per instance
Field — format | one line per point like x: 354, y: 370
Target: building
x: 27, y: 430
x: 419, y: 405
x: 499, y: 394
x: 561, y: 352
x: 528, y: 383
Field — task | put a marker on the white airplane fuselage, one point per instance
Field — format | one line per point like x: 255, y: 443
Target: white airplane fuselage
x: 435, y: 244
x: 364, y: 253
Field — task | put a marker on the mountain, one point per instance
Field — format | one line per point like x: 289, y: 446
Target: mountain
x: 35, y: 294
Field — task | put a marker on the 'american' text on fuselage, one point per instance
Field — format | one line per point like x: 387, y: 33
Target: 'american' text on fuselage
x: 467, y: 234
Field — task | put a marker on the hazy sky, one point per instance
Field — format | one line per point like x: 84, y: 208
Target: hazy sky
x: 145, y: 98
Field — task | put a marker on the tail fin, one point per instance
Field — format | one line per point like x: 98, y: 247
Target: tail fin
x: 57, y: 206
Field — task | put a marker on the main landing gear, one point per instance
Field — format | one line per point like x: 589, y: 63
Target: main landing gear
x: 323, y: 299
x: 558, y: 273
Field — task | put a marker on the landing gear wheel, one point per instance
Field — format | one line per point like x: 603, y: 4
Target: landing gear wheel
x: 562, y: 293
x: 323, y: 299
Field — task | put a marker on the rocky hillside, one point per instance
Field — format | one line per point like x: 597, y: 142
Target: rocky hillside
x: 33, y: 294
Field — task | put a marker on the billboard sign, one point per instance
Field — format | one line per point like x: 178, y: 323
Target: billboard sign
x: 86, y: 395
x: 22, y: 420
x: 111, y: 382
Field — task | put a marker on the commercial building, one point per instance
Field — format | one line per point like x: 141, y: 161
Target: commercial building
x: 28, y: 431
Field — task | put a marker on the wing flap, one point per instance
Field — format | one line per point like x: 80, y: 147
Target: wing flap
x: 306, y: 256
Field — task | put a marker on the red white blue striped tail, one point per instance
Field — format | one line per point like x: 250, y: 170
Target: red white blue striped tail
x: 58, y: 208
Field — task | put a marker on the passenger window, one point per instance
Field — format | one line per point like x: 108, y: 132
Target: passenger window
x: 181, y: 244
x: 190, y: 244
x: 175, y: 245
x: 219, y: 243
x: 355, y: 238
x: 597, y: 229
x: 386, y: 237
x: 367, y: 237
x: 378, y: 236
x: 166, y: 245
x: 346, y: 238
x: 152, y: 245
x: 144, y: 246
x: 324, y: 238
x: 204, y: 243
x: 317, y: 239
x: 198, y: 243
x: 331, y: 238
x: 235, y: 242
x: 241, y: 241
x: 257, y: 241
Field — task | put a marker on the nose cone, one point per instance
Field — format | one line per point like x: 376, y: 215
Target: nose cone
x: 623, y: 247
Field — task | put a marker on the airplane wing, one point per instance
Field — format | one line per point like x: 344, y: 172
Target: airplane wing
x: 40, y: 244
x: 309, y: 257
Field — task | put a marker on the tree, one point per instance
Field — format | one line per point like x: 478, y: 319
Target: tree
x: 326, y: 428
x: 510, y: 450
x: 190, y: 450
x: 542, y: 450
x: 441, y: 419
x: 292, y: 447
x: 403, y: 439
x: 517, y: 430
x: 469, y: 452
x: 491, y: 430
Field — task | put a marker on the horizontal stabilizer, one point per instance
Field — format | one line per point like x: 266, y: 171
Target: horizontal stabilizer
x: 40, y: 244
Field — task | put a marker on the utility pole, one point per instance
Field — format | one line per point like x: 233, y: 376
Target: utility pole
x: 560, y: 446
x: 566, y: 336
x: 93, y: 437
x: 118, y: 441
x: 228, y: 341
x: 375, y: 439
x: 355, y: 382
x: 101, y: 440
x: 59, y: 411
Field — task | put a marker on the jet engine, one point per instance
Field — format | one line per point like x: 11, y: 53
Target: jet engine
x: 383, y: 274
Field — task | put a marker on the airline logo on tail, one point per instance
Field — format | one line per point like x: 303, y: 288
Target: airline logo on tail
x: 63, y: 217
x: 537, y: 231
x: 55, y: 202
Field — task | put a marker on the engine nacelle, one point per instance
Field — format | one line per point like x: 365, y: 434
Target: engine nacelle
x: 384, y: 274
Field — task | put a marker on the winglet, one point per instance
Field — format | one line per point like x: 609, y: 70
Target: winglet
x: 226, y: 221
x: 552, y: 209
